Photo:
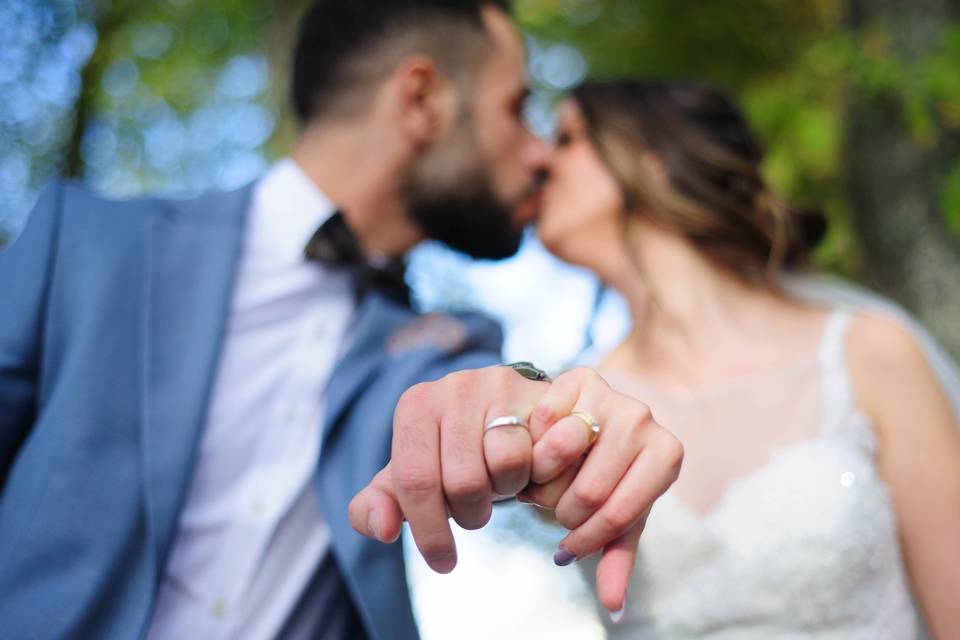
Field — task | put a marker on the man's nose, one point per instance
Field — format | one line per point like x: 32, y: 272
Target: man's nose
x: 536, y: 155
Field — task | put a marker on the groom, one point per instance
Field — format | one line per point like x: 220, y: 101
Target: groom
x: 192, y: 392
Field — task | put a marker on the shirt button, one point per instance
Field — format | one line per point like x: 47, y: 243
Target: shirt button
x: 259, y: 507
x: 219, y: 609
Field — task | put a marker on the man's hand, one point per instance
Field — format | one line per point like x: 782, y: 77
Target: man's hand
x: 444, y: 465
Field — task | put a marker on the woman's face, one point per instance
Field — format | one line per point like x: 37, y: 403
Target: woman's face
x: 582, y: 220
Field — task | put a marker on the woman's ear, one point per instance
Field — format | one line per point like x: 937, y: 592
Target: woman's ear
x: 425, y: 101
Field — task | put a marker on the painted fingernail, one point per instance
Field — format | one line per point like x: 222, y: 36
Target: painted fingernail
x: 617, y: 616
x: 373, y: 524
x: 563, y: 557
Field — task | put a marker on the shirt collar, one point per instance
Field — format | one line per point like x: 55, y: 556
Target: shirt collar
x: 288, y: 208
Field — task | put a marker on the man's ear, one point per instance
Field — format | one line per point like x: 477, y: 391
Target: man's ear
x: 425, y: 101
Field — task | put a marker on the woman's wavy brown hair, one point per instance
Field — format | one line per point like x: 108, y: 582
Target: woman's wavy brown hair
x: 714, y: 194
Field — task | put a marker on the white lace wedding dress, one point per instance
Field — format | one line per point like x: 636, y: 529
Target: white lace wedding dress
x: 781, y: 527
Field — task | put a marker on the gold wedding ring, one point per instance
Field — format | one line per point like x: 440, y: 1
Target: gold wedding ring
x: 505, y: 421
x: 593, y: 426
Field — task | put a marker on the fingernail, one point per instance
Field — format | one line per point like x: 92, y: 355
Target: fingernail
x: 563, y: 557
x: 443, y: 564
x: 373, y: 523
x: 617, y: 616
x: 523, y: 499
x: 395, y: 537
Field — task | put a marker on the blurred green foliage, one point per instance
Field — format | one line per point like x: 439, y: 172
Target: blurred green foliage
x: 950, y: 200
x: 182, y: 94
x: 791, y: 64
x: 178, y: 93
x: 176, y: 46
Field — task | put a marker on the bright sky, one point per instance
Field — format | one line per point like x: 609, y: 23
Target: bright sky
x: 505, y: 586
x: 543, y: 304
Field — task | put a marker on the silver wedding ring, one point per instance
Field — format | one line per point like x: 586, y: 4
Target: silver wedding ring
x: 505, y: 421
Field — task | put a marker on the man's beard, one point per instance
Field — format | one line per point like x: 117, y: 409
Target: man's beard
x: 450, y: 197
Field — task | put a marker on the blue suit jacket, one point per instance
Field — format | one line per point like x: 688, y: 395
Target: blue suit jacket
x: 112, y: 317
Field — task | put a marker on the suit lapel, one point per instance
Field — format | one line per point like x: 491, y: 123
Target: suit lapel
x: 376, y: 319
x: 354, y: 448
x: 193, y: 254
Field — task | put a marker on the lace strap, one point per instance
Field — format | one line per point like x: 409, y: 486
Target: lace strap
x: 837, y: 390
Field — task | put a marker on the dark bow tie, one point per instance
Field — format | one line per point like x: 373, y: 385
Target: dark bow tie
x: 334, y: 245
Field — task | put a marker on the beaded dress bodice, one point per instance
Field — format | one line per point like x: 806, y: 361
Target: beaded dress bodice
x: 788, y: 530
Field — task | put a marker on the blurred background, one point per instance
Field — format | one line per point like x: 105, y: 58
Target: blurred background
x: 857, y: 100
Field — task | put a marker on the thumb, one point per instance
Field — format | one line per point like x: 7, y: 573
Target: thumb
x: 375, y: 511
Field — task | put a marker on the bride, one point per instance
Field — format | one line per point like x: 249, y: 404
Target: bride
x: 820, y: 493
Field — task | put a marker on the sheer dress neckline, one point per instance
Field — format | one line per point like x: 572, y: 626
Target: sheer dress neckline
x: 807, y: 359
x: 732, y: 430
x: 780, y: 524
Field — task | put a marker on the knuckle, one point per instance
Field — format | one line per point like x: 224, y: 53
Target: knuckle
x: 674, y: 454
x: 615, y: 518
x: 581, y: 374
x: 415, y: 397
x: 510, y: 460
x: 416, y: 481
x: 467, y: 488
x: 505, y: 381
x: 556, y: 450
x: 588, y: 495
x: 457, y: 384
x: 500, y: 378
x: 639, y: 414
x: 504, y: 375
x: 669, y: 450
x: 566, y: 519
x: 675, y: 450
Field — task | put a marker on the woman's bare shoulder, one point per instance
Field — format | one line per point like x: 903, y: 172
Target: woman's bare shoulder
x: 876, y: 339
x: 887, y: 366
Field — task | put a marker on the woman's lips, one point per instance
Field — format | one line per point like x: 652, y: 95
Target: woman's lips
x: 528, y: 209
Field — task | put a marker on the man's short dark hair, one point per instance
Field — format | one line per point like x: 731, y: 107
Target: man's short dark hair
x: 346, y: 46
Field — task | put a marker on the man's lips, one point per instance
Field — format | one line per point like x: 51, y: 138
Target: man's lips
x: 528, y: 209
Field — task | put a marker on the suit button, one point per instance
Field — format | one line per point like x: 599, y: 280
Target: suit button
x: 219, y: 609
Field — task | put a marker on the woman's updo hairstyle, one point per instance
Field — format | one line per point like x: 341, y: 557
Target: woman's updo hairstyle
x: 714, y: 194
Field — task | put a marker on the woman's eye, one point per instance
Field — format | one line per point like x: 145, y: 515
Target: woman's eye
x: 564, y: 139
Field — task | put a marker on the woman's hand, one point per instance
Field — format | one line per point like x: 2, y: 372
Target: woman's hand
x: 445, y: 464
